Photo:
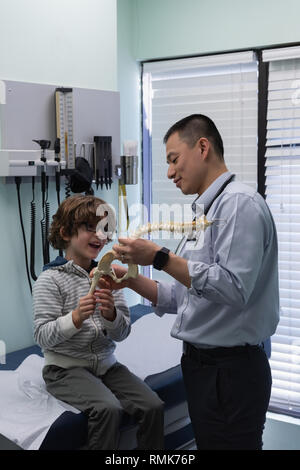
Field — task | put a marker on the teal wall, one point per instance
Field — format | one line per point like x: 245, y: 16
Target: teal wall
x: 62, y: 42
x: 97, y: 44
x: 70, y: 43
x: 129, y: 88
x: 172, y: 28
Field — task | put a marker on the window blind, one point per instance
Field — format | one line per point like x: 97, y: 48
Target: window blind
x: 223, y: 87
x: 283, y: 198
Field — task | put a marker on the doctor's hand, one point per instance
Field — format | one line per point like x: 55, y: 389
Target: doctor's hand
x: 106, y: 282
x: 136, y: 251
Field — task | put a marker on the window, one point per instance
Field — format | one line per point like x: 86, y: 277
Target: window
x: 223, y: 87
x: 283, y: 198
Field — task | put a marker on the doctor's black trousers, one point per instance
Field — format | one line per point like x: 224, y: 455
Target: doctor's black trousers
x: 228, y: 392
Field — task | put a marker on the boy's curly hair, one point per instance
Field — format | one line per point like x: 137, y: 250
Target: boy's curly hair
x: 73, y: 212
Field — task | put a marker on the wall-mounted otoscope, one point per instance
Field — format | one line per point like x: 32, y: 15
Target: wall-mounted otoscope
x: 45, y: 222
x: 103, y: 161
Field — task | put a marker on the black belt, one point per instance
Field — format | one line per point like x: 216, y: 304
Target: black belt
x: 217, y: 353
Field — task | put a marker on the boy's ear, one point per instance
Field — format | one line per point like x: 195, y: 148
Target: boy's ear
x: 63, y: 235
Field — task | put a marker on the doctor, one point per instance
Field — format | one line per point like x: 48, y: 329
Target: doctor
x: 225, y: 292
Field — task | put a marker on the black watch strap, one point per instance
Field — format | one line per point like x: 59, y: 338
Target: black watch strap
x: 161, y: 258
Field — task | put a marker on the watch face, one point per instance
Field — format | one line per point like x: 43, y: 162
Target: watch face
x: 161, y: 258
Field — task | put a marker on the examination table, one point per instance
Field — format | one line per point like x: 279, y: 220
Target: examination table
x: 69, y: 430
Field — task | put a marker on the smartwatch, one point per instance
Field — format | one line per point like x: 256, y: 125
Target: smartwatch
x: 161, y: 258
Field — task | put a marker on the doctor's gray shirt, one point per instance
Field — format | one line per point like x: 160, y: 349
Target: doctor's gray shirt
x: 234, y: 295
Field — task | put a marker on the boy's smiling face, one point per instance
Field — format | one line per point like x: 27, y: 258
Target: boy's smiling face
x: 85, y: 245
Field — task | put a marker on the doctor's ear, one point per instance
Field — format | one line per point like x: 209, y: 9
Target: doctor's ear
x: 204, y: 146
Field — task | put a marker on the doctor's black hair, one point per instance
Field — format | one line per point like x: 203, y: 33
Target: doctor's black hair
x: 195, y: 126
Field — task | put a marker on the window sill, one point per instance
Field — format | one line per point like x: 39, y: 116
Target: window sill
x: 283, y: 418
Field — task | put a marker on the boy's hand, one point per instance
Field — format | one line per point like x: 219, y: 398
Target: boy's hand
x: 86, y: 307
x: 107, y: 303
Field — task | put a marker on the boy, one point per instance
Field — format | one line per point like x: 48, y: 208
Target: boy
x: 77, y: 334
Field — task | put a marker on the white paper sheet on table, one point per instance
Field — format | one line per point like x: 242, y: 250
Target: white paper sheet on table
x: 27, y: 410
x: 149, y: 349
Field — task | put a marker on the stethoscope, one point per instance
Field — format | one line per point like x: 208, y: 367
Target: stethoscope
x: 194, y: 235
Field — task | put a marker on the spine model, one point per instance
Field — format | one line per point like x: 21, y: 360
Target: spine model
x: 200, y: 224
x: 104, y: 265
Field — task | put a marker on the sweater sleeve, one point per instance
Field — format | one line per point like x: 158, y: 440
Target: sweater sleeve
x: 120, y: 328
x: 51, y: 327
